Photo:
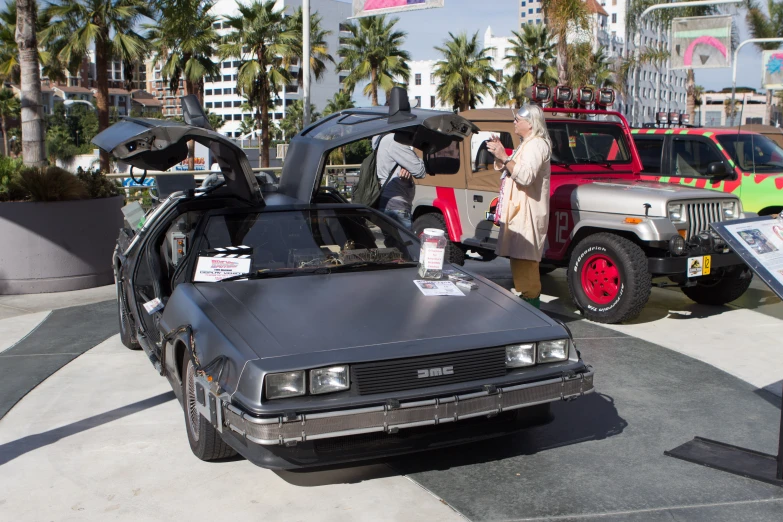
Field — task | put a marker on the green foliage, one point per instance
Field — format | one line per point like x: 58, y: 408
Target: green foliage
x: 50, y: 184
x: 294, y: 118
x: 319, y: 49
x: 358, y: 150
x: 59, y: 145
x: 340, y: 101
x: 374, y: 52
x: 70, y: 131
x: 465, y: 73
x: 97, y: 184
x: 9, y: 169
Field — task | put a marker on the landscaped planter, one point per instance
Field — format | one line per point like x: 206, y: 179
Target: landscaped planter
x: 58, y: 246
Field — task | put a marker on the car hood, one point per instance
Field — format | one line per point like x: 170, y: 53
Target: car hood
x: 360, y: 316
x: 630, y: 197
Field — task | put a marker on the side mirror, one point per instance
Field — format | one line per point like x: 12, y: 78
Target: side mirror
x: 717, y: 169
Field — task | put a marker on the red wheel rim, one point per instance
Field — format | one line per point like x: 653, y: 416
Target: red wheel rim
x: 600, y: 279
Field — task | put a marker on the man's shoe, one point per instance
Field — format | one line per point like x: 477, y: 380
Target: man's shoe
x: 535, y: 301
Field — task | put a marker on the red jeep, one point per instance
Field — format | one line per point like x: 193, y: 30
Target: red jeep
x: 611, y: 230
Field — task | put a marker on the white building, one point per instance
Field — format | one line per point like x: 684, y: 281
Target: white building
x: 423, y: 86
x: 751, y: 108
x: 221, y: 96
x: 530, y: 13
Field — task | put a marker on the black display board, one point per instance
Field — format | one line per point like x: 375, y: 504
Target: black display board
x: 759, y: 241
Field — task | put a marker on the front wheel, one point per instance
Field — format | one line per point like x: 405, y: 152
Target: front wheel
x: 205, y: 441
x: 454, y: 253
x: 608, y: 278
x: 719, y: 290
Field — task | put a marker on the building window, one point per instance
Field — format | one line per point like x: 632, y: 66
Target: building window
x: 538, y: 9
x: 522, y: 15
x: 614, y: 17
x: 208, y: 105
x: 218, y: 105
x: 122, y: 100
x: 226, y: 65
x: 418, y: 78
x: 418, y: 101
x: 523, y: 4
x: 236, y: 63
x: 538, y: 21
x: 530, y: 11
x: 432, y: 102
x: 278, y: 115
x: 237, y: 103
x: 226, y: 77
x: 235, y: 77
x: 216, y: 25
x: 432, y: 79
x: 237, y: 116
x: 342, y: 78
x: 111, y: 100
x: 208, y: 92
x: 345, y: 28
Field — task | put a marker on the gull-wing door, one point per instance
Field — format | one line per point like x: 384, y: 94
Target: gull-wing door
x: 152, y: 144
x: 426, y: 130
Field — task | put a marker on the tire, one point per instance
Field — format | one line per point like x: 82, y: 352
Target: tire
x: 546, y: 269
x: 608, y: 278
x: 126, y: 334
x: 454, y: 253
x: 205, y: 441
x: 718, y: 291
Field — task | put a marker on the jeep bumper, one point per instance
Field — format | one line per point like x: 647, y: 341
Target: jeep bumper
x: 679, y: 265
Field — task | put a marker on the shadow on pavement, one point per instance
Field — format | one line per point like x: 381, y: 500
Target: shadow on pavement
x: 344, y: 474
x: 592, y: 417
x: 11, y: 450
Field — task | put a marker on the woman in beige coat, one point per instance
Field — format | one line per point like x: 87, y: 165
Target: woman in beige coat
x: 523, y: 207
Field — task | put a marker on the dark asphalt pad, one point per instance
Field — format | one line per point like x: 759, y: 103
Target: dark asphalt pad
x: 62, y: 337
x: 601, y: 458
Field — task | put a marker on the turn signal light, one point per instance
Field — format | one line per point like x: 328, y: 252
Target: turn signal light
x: 633, y: 221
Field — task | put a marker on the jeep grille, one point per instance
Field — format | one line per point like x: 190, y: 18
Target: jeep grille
x: 700, y: 215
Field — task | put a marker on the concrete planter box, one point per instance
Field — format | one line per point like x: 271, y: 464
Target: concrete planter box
x: 58, y: 246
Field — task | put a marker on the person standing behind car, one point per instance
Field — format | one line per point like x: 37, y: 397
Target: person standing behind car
x: 523, y: 213
x: 402, y: 164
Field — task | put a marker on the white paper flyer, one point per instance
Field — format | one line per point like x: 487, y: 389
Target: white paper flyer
x: 213, y: 269
x: 430, y: 288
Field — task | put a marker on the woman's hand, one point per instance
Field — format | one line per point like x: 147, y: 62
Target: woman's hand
x: 496, y: 148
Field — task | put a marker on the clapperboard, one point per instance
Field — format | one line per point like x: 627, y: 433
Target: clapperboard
x: 235, y: 252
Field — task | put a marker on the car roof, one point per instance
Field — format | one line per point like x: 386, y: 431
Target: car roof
x: 506, y: 114
x: 700, y: 131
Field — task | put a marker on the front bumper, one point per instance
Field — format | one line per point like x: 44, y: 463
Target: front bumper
x: 293, y: 428
x: 679, y: 265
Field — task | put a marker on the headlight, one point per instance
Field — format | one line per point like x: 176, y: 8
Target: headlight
x: 326, y: 380
x: 675, y: 212
x: 519, y: 355
x: 730, y: 210
x: 288, y: 384
x: 677, y: 245
x: 550, y: 351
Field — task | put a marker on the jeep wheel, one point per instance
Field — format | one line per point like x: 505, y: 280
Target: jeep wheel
x: 205, y: 441
x: 126, y: 335
x: 719, y: 290
x: 454, y: 253
x: 608, y: 278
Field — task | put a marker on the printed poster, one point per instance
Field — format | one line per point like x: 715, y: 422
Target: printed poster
x: 772, y: 69
x: 379, y: 7
x: 701, y: 42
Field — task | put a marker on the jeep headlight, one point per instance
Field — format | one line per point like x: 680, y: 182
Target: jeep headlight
x: 730, y: 210
x: 327, y: 380
x: 520, y: 355
x: 287, y: 384
x: 551, y: 351
x: 675, y: 212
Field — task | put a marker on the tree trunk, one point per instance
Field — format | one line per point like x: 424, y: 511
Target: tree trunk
x: 374, y: 86
x: 768, y: 114
x: 5, y: 136
x: 562, y: 59
x: 690, y: 96
x: 102, y: 94
x: 189, y: 89
x: 33, y: 144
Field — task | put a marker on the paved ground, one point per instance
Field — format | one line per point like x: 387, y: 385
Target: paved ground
x: 121, y: 454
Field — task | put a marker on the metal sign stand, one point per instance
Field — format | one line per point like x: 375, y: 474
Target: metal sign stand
x: 734, y: 459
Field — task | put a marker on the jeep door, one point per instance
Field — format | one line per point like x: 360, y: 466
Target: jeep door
x: 691, y: 159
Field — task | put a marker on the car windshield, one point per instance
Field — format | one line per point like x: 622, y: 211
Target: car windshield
x: 753, y: 152
x: 576, y: 142
x: 304, y: 242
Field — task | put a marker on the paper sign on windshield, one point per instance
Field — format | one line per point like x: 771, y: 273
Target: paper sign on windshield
x: 212, y: 269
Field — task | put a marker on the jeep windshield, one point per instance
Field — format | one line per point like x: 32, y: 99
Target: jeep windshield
x: 753, y: 152
x: 585, y: 142
x: 301, y: 242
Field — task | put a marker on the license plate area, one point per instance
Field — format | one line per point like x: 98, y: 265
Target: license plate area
x: 699, y: 266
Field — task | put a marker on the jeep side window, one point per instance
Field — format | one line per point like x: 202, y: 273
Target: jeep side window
x: 480, y: 157
x: 692, y: 157
x: 576, y: 142
x: 650, y: 151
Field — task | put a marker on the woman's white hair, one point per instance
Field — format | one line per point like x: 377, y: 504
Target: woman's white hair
x: 535, y: 116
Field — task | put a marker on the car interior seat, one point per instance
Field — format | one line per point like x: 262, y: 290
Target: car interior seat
x: 684, y: 160
x: 484, y: 158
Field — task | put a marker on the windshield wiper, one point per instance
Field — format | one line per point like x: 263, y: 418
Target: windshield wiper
x: 562, y: 164
x: 278, y: 272
x: 374, y: 264
x: 598, y: 162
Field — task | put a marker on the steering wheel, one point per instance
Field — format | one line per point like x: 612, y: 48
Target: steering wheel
x: 138, y: 181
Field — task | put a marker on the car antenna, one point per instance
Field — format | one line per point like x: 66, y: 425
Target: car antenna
x: 739, y: 128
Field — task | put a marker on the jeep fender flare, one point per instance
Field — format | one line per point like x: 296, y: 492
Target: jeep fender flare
x: 446, y: 202
x: 649, y: 230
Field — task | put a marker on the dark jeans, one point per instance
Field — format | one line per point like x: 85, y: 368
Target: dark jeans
x: 402, y: 217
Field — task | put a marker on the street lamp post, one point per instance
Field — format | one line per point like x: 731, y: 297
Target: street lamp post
x: 647, y: 11
x: 306, y: 61
x: 734, y: 70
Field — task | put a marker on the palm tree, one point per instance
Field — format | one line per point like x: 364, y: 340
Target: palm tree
x: 109, y: 25
x: 530, y: 57
x: 465, y: 73
x: 319, y: 50
x: 294, y: 118
x: 766, y: 26
x: 340, y: 101
x: 52, y: 68
x: 373, y: 52
x: 9, y: 108
x: 564, y: 17
x: 185, y: 40
x: 246, y: 126
x: 262, y: 41
x: 33, y: 141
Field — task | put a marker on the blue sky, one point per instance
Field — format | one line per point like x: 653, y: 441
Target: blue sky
x: 428, y: 28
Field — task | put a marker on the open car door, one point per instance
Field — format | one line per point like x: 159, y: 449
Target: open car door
x: 426, y: 130
x: 154, y: 144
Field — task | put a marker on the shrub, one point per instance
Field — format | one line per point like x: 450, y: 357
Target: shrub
x: 98, y: 185
x: 9, y: 169
x: 50, y: 184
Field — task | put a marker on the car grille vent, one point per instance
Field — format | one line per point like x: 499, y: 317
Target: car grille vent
x: 404, y: 374
x: 700, y: 215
